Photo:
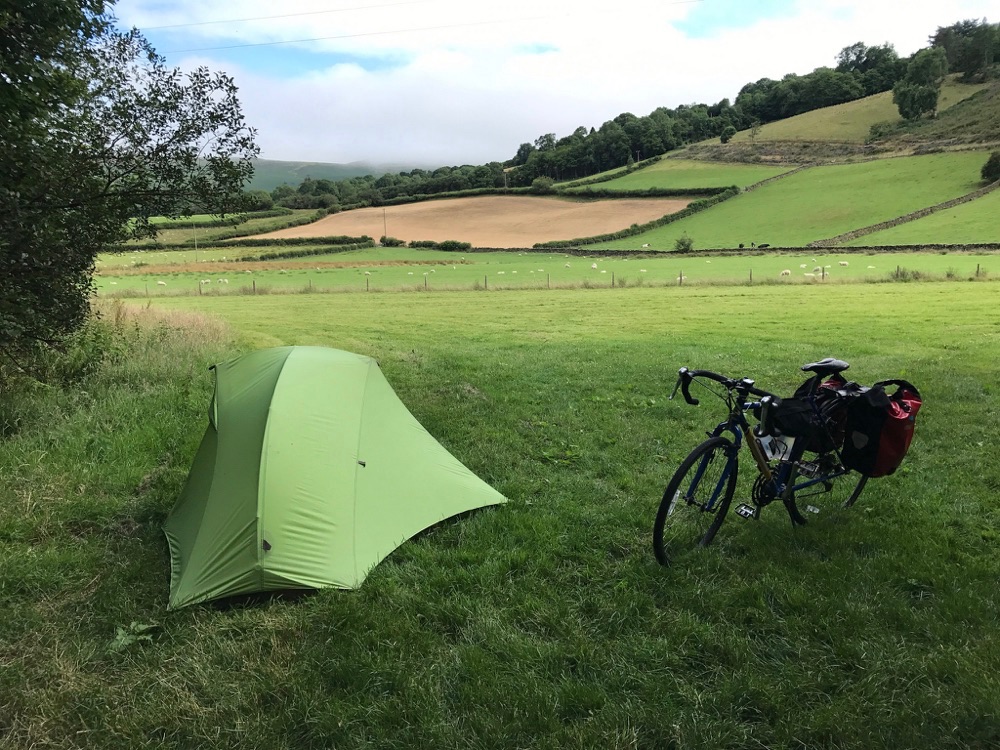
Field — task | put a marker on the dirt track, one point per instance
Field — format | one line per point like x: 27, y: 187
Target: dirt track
x: 491, y: 221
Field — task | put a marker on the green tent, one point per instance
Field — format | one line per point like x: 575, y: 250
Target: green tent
x: 310, y: 473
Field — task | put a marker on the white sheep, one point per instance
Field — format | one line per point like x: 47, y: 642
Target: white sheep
x: 161, y: 283
x: 646, y: 245
x: 843, y: 263
x: 810, y: 275
x: 682, y: 278
x: 603, y: 271
x: 871, y: 266
x: 642, y: 270
x: 368, y: 273
x: 786, y: 272
x: 567, y: 265
x: 594, y: 266
x: 206, y: 281
x: 802, y: 265
x: 409, y: 273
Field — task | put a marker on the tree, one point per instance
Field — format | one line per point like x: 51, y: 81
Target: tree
x: 991, y: 169
x: 916, y: 94
x: 684, y: 244
x: 727, y: 134
x: 99, y: 136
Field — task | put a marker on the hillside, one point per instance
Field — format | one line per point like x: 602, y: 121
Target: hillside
x: 269, y: 173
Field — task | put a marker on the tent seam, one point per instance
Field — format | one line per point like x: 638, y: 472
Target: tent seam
x: 357, y: 469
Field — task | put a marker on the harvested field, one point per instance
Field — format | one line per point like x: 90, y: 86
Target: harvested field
x: 492, y: 221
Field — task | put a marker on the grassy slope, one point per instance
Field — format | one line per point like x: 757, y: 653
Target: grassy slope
x: 210, y: 234
x: 687, y: 173
x: 968, y: 223
x: 823, y: 202
x: 851, y: 121
x: 545, y: 622
x: 269, y: 173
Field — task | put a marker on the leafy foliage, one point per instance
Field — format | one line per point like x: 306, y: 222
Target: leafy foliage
x: 100, y: 136
x: 917, y: 93
x: 991, y: 169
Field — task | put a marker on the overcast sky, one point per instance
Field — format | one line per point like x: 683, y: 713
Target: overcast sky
x: 450, y: 82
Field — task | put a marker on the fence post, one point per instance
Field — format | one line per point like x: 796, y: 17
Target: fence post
x: 486, y: 282
x: 254, y: 282
x: 977, y: 270
x: 366, y: 284
x: 548, y: 280
x: 612, y: 279
x: 751, y: 276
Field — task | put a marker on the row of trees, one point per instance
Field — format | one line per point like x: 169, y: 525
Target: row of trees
x: 98, y: 137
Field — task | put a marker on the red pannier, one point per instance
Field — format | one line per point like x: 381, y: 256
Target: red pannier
x: 880, y: 428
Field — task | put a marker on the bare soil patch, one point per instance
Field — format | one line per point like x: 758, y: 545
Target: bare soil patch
x: 492, y: 221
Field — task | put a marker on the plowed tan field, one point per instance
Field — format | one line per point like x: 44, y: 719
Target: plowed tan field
x: 491, y: 221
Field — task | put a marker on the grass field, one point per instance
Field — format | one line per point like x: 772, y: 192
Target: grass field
x: 390, y: 269
x: 546, y: 622
x: 210, y: 234
x: 851, y: 121
x: 975, y: 221
x: 824, y: 201
x: 679, y: 174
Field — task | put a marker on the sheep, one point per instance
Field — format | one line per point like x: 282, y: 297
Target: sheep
x: 603, y: 271
x: 646, y: 245
x: 871, y: 266
x: 368, y: 273
x: 682, y: 278
x: 205, y: 281
x: 802, y: 265
x: 786, y: 272
x: 843, y: 263
x: 409, y: 273
x: 567, y: 265
x: 818, y: 269
x: 161, y: 283
x: 594, y: 266
x: 708, y: 261
x: 810, y: 275
x: 501, y: 273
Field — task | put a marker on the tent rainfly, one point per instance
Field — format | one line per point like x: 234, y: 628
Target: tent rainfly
x: 310, y: 473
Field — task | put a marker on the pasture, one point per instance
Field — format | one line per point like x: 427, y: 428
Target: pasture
x: 823, y: 202
x: 851, y: 121
x: 967, y: 223
x: 398, y: 269
x: 679, y: 174
x: 544, y: 622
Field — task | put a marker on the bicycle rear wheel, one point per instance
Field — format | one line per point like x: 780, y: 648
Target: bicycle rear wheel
x: 839, y: 492
x: 696, y: 499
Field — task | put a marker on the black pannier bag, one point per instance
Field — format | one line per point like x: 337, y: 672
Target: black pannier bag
x: 823, y: 431
x: 880, y: 428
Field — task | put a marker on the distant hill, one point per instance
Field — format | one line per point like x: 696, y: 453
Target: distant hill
x: 269, y: 173
x: 851, y: 122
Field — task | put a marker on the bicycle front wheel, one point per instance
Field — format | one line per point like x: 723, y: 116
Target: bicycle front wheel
x: 696, y: 500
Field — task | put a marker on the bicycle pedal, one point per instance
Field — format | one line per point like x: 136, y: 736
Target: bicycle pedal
x: 812, y: 509
x: 746, y: 511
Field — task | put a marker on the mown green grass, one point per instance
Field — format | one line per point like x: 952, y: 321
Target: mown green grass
x: 433, y: 270
x: 851, y: 121
x: 679, y: 174
x: 823, y: 202
x: 544, y: 622
x: 967, y: 223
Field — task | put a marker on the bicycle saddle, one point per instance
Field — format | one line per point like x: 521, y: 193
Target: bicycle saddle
x: 826, y: 366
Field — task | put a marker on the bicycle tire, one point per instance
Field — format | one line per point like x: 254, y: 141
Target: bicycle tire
x: 836, y: 494
x: 689, y: 524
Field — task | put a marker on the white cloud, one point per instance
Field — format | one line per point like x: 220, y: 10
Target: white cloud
x: 474, y: 80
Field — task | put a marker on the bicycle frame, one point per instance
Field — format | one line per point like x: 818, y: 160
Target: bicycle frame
x: 780, y: 482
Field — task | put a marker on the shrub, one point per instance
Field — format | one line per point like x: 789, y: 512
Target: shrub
x: 453, y: 245
x: 542, y: 185
x: 390, y: 241
x: 991, y: 169
x: 727, y: 134
x: 684, y: 244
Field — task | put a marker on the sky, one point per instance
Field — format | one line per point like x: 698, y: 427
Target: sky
x: 450, y: 82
